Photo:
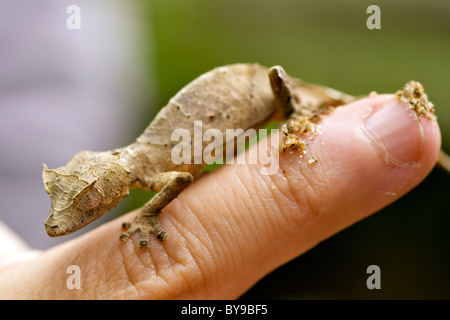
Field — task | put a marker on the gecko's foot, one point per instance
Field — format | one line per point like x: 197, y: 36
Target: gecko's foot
x: 146, y: 225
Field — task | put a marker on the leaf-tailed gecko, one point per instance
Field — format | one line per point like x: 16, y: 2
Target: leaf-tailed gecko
x: 229, y: 97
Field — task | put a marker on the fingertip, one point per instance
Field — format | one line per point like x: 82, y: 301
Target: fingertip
x: 373, y: 146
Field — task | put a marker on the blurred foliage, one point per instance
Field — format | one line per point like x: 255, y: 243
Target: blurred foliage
x: 327, y: 42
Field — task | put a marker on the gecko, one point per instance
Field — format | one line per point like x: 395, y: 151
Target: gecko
x: 228, y: 97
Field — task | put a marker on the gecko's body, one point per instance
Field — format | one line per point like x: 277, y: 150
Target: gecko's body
x: 230, y: 97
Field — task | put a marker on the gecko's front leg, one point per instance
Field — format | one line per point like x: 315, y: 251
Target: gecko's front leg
x: 147, y: 220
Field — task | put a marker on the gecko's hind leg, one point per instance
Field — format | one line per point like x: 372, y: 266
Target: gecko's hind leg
x: 147, y: 220
x: 282, y: 90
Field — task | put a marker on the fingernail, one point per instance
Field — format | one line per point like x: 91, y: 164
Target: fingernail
x: 397, y: 131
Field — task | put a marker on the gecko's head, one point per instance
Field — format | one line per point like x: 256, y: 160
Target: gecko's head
x: 87, y: 187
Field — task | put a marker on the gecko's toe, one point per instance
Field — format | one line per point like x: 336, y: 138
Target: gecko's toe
x: 161, y: 235
x: 143, y: 242
x: 130, y: 229
x: 123, y: 237
x: 146, y: 225
x: 126, y: 225
x: 145, y: 234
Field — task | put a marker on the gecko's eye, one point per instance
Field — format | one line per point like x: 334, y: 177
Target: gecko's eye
x: 90, y: 199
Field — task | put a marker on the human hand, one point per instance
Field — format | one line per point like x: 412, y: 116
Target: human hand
x: 234, y: 226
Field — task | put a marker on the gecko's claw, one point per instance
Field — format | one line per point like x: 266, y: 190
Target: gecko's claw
x: 146, y: 225
x: 126, y: 225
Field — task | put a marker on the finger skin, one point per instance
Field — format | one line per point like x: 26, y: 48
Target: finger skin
x: 233, y: 226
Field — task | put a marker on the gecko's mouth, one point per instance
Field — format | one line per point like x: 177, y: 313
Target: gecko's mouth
x: 52, y: 229
x: 58, y: 224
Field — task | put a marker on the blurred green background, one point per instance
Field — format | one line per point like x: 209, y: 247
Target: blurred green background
x: 327, y: 42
